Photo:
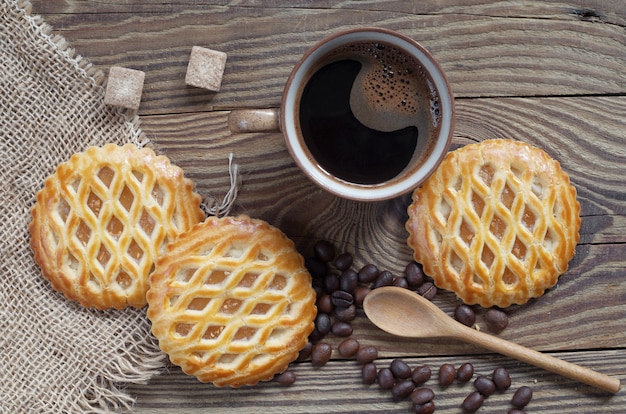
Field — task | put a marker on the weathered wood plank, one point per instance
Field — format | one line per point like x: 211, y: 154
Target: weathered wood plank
x: 581, y: 133
x: 586, y: 10
x: 337, y: 387
x: 483, y: 55
x: 576, y: 131
x: 530, y: 70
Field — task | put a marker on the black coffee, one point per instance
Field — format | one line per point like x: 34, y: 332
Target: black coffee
x: 362, y: 112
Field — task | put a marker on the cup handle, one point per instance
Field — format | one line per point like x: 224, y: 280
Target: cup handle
x: 254, y: 120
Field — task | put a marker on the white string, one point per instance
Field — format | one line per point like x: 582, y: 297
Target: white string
x: 210, y: 204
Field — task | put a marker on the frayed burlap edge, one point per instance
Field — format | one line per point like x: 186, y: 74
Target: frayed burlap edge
x: 130, y: 353
x: 138, y: 359
x: 81, y: 64
x: 211, y: 205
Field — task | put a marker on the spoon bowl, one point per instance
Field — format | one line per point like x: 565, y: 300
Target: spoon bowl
x: 402, y: 312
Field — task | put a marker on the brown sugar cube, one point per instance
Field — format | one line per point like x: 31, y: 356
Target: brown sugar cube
x: 205, y: 68
x: 124, y: 87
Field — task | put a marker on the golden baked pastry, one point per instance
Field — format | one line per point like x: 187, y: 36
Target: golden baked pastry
x: 497, y: 223
x: 103, y: 217
x: 231, y: 301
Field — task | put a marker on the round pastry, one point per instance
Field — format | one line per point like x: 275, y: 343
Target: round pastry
x: 231, y: 301
x: 497, y: 223
x: 103, y: 217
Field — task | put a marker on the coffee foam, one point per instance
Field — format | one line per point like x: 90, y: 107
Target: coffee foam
x: 391, y: 91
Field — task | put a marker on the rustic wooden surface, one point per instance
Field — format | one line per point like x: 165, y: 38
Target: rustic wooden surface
x: 551, y: 73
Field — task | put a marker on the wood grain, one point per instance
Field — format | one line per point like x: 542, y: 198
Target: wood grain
x: 586, y: 10
x: 551, y: 73
x: 275, y: 190
x: 337, y: 387
x: 482, y: 54
x: 581, y: 133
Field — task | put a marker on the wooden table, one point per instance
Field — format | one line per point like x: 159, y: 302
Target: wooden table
x: 551, y: 73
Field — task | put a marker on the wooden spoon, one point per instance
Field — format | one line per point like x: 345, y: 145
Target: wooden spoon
x: 402, y: 312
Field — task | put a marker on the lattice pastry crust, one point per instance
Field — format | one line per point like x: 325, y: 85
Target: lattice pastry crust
x: 497, y: 223
x: 231, y: 301
x: 102, y: 219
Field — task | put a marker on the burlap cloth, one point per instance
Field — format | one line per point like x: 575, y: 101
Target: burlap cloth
x: 55, y: 356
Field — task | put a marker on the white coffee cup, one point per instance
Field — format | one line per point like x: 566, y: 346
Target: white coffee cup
x: 390, y: 61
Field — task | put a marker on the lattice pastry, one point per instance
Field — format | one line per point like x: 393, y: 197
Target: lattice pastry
x: 231, y: 301
x: 102, y: 219
x: 497, y: 223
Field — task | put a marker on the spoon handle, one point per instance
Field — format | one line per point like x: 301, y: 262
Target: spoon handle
x: 547, y: 362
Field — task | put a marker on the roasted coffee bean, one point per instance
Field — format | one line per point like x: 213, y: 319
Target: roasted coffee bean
x: 502, y: 379
x: 428, y: 290
x: 465, y: 372
x: 321, y: 354
x: 348, y: 348
x: 341, y: 329
x: 422, y: 395
x: 323, y: 323
x: 318, y: 288
x: 473, y: 402
x: 465, y: 314
x: 385, y: 278
x: 286, y: 378
x: 485, y: 385
x: 317, y: 268
x: 385, y: 378
x: 324, y: 250
x: 368, y: 273
x: 359, y: 295
x: 428, y: 408
x: 369, y: 373
x: 414, y: 275
x: 516, y: 411
x: 367, y: 354
x: 401, y: 282
x: 343, y: 261
x: 522, y: 397
x: 331, y: 282
x: 421, y: 374
x: 346, y: 314
x: 342, y: 299
x: 325, y: 303
x: 305, y: 353
x: 446, y: 374
x: 348, y: 281
x: 315, y: 336
x: 402, y: 389
x: 400, y: 369
x: 496, y: 319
